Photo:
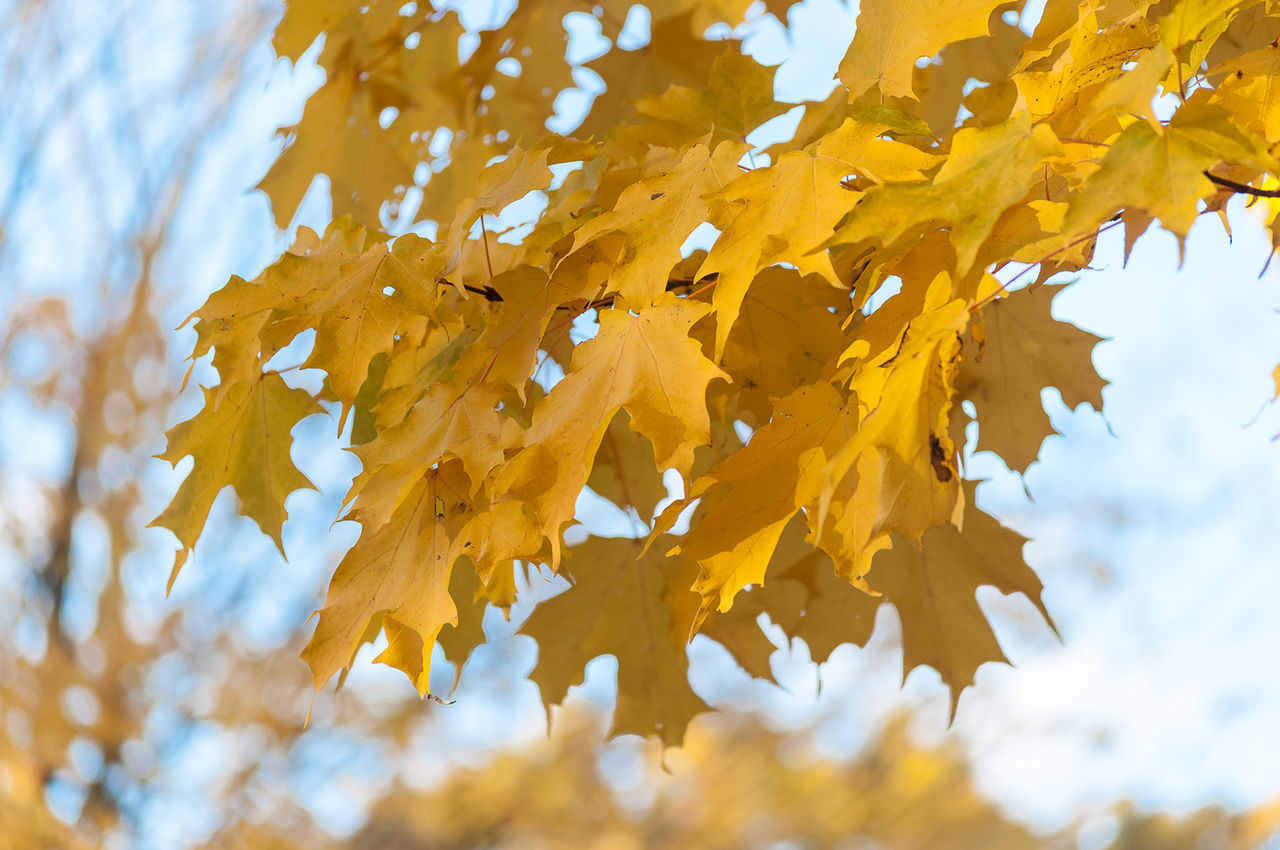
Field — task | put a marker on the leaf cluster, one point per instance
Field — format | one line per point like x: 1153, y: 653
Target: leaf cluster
x: 809, y: 375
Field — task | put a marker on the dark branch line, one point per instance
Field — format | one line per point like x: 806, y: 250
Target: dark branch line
x: 1241, y: 188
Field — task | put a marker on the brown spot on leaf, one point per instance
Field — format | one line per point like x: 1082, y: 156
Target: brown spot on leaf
x: 938, y: 457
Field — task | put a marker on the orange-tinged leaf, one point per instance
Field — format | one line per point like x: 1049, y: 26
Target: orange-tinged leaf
x: 933, y: 589
x: 749, y: 497
x: 658, y: 212
x: 398, y: 575
x: 243, y: 442
x: 644, y: 362
x: 634, y: 610
x: 775, y: 214
x: 1026, y: 350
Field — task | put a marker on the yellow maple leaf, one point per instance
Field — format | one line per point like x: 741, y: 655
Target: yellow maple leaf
x: 625, y: 472
x: 364, y: 164
x: 674, y: 55
x: 442, y: 424
x: 1161, y: 169
x: 804, y: 597
x: 749, y: 497
x: 910, y: 397
x: 243, y: 442
x: 892, y: 35
x: 933, y: 589
x: 776, y: 214
x: 1026, y: 350
x: 358, y: 316
x: 658, y: 212
x: 1248, y: 91
x: 396, y: 577
x: 644, y: 362
x: 787, y: 335
x: 516, y: 175
x: 630, y: 609
x: 738, y: 98
x: 988, y: 170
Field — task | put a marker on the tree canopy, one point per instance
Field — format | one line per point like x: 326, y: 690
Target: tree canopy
x: 805, y: 334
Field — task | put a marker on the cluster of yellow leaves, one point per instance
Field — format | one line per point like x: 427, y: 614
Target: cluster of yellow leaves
x: 939, y: 182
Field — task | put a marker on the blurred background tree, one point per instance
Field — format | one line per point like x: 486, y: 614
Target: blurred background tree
x: 130, y: 137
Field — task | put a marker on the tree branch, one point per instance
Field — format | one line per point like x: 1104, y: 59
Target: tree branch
x: 1241, y: 187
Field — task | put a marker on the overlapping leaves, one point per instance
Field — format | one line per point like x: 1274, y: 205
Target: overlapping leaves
x: 944, y: 180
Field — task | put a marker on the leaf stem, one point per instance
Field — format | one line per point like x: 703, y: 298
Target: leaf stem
x: 1004, y: 287
x: 484, y: 235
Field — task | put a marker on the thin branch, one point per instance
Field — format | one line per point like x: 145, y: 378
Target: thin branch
x: 1004, y: 287
x: 673, y: 285
x: 489, y: 293
x: 484, y: 238
x: 1242, y: 188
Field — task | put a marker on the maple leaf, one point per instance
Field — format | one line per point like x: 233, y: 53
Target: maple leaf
x: 987, y: 171
x: 804, y: 597
x: 738, y: 98
x: 658, y: 212
x: 774, y: 214
x: 815, y: 424
x: 646, y: 363
x: 1015, y: 365
x: 502, y: 183
x: 245, y: 443
x: 467, y: 427
x: 1161, y: 169
x: 892, y: 35
x: 396, y: 577
x: 358, y: 315
x: 625, y: 471
x: 907, y: 428
x: 756, y: 490
x: 630, y: 609
x: 933, y: 589
x: 673, y: 56
x: 787, y: 334
x: 362, y: 160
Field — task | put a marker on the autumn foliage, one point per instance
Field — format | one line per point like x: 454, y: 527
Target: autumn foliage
x: 505, y: 316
